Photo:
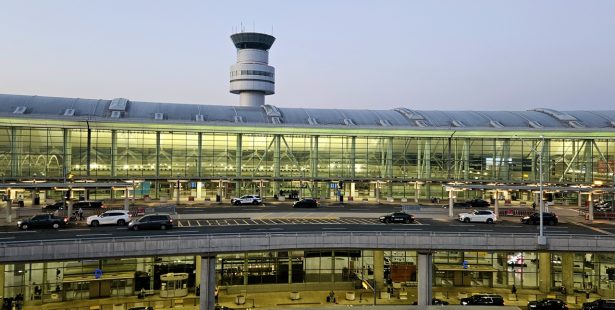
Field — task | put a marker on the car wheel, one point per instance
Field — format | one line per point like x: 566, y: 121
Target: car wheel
x: 163, y: 227
x: 254, y: 202
x: 94, y: 223
x: 466, y: 220
x: 489, y: 221
x: 238, y: 203
x: 387, y: 221
x: 136, y: 227
x: 407, y: 221
x: 55, y: 225
x: 121, y: 222
x: 24, y: 226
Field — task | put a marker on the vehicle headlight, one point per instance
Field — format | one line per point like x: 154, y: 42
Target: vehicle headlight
x: 19, y: 222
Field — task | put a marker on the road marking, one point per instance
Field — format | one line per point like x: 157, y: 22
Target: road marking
x: 334, y: 228
x: 183, y: 231
x: 7, y: 238
x: 487, y: 230
x: 92, y: 235
x: 408, y: 229
x: 253, y: 209
x: 198, y: 223
x: 266, y: 229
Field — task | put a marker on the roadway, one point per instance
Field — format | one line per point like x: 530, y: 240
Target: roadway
x: 281, y: 218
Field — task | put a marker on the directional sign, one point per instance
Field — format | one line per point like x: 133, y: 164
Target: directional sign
x: 465, y: 264
x: 98, y: 273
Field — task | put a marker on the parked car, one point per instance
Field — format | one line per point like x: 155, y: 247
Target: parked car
x: 86, y: 204
x: 547, y: 304
x: 604, y: 206
x: 111, y: 217
x: 141, y: 308
x: 462, y: 205
x: 53, y: 207
x: 46, y: 220
x: 397, y: 217
x: 483, y: 300
x: 478, y: 203
x: 151, y: 221
x: 306, y: 203
x: 247, y: 199
x: 436, y: 301
x: 599, y: 304
x: 486, y: 216
x: 548, y: 218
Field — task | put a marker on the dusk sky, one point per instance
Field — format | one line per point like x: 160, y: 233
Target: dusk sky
x: 425, y: 55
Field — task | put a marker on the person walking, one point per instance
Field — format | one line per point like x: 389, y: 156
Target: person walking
x: 80, y: 214
x: 513, y: 290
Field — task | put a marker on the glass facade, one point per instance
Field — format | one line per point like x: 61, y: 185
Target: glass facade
x: 366, y: 164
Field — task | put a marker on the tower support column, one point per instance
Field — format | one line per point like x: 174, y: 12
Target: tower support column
x: 425, y: 275
x: 207, y: 275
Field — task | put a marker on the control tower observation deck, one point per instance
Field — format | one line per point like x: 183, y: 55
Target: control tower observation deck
x: 252, y: 77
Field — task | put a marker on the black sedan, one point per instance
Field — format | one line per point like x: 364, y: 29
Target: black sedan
x: 53, y: 207
x: 397, y: 217
x: 599, y: 304
x: 478, y: 203
x: 548, y: 218
x: 547, y: 304
x: 306, y: 203
x: 43, y: 221
x: 462, y: 205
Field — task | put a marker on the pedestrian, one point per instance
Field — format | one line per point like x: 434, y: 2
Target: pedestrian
x: 80, y: 214
x: 513, y: 290
x: 534, y: 206
x: 564, y: 290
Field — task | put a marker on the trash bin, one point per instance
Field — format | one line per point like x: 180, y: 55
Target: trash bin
x: 218, y: 198
x: 37, y: 201
x: 341, y: 198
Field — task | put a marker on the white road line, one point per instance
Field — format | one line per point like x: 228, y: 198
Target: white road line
x: 183, y: 231
x: 487, y: 230
x: 266, y: 229
x: 334, y: 228
x: 92, y: 235
x: 198, y: 223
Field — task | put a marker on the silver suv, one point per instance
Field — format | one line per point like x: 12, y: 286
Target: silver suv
x: 111, y: 217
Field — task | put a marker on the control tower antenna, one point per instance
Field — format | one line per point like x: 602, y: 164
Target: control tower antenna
x: 251, y: 76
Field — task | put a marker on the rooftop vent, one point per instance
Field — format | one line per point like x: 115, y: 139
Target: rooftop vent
x: 409, y: 114
x: 69, y: 112
x: 496, y: 124
x: 576, y: 124
x: 238, y: 119
x: 456, y: 123
x: 19, y: 110
x: 118, y: 104
x: 535, y: 124
x: 557, y: 114
x: 421, y: 123
x: 116, y: 114
x: 271, y: 110
x: 276, y: 120
x: 384, y: 123
x: 199, y: 117
x: 349, y: 122
x: 159, y: 116
x: 312, y: 121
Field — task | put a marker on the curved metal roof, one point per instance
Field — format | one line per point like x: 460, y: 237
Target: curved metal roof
x: 120, y: 109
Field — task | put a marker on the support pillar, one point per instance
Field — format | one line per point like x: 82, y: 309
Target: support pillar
x: 379, y: 270
x: 450, y: 203
x: 590, y: 210
x: 544, y: 272
x: 424, y: 277
x: 568, y: 271
x: 497, y: 203
x: 290, y: 267
x: 126, y: 202
x: 199, y: 190
x: 208, y: 283
x: 245, y: 269
x: 197, y: 267
x: 238, y: 152
x: 580, y: 200
x: 277, y: 156
x: 2, y: 282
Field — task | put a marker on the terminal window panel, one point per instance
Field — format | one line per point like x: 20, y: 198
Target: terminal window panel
x: 5, y: 151
x: 78, y: 148
x: 256, y: 155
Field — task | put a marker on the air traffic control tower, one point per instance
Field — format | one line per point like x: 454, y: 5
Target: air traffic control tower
x: 252, y: 77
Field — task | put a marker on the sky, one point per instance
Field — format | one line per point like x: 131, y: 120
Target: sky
x: 347, y: 54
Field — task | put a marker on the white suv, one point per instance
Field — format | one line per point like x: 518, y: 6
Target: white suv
x: 486, y: 216
x: 247, y: 199
x: 111, y: 217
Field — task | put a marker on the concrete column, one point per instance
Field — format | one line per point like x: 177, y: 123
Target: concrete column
x: 238, y: 151
x: 197, y: 267
x: 580, y: 200
x: 126, y: 202
x: 590, y: 210
x: 333, y: 266
x: 208, y: 283
x: 199, y: 190
x: 450, y: 203
x: 352, y: 190
x: 424, y: 277
x: 2, y: 281
x: 417, y: 192
x: 568, y: 271
x: 379, y: 269
x: 245, y: 269
x: 290, y: 267
x: 113, y: 153
x: 544, y: 272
